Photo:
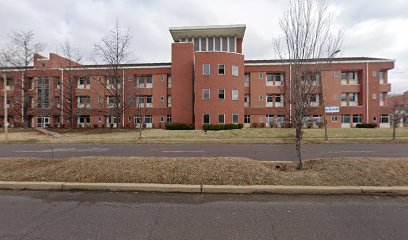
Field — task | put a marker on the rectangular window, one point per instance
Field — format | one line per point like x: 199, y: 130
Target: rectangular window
x: 84, y: 102
x: 217, y: 44
x: 260, y: 98
x: 221, y: 69
x: 235, y: 118
x: 381, y: 99
x: 206, y: 118
x: 235, y: 95
x: 357, y: 118
x: 235, y: 70
x: 345, y: 118
x: 374, y: 119
x: 162, y: 98
x: 261, y: 119
x: 168, y: 118
x: 161, y: 119
x: 231, y: 44
x: 221, y: 94
x: 149, y: 79
x: 334, y: 119
x: 269, y: 98
x: 196, y: 44
x: 260, y: 76
x: 343, y: 97
x: 353, y: 97
x: 246, y: 98
x: 269, y: 119
x: 149, y: 99
x: 269, y: 77
x: 210, y: 44
x: 221, y: 118
x: 384, y: 118
x: 278, y: 79
x: 129, y: 119
x: 225, y: 44
x: 168, y: 101
x: 343, y: 78
x: 162, y: 77
x: 206, y: 69
x: 381, y: 78
x: 148, y: 119
x: 140, y: 100
x: 203, y: 44
x: 206, y: 94
x: 169, y: 81
x: 246, y: 80
x: 374, y: 74
x: 247, y: 119
x: 280, y: 119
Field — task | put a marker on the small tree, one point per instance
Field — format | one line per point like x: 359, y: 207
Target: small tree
x: 309, y: 44
x: 19, y: 53
x: 398, y: 110
x: 114, y: 51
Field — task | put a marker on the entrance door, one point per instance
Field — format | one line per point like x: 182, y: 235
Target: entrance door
x: 43, y: 121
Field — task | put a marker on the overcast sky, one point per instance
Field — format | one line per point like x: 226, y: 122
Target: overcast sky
x: 373, y: 28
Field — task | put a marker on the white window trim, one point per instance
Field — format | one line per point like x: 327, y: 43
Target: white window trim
x: 232, y: 118
x: 209, y: 69
x: 232, y: 69
x: 218, y: 118
x: 209, y: 94
x: 218, y: 94
x: 232, y: 95
x: 209, y: 118
x: 218, y: 69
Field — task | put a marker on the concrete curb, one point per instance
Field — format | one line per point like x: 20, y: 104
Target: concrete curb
x: 184, y: 188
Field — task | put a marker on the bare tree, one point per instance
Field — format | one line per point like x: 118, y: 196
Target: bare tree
x: 114, y: 50
x: 398, y: 110
x: 71, y: 60
x: 19, y: 53
x: 308, y: 43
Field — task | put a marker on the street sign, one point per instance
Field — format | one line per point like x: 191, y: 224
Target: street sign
x: 332, y: 109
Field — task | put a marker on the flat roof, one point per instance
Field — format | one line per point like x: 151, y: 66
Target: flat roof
x: 237, y: 30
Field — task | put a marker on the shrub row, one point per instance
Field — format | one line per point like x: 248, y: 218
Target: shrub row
x: 366, y: 125
x: 216, y: 127
x: 180, y: 126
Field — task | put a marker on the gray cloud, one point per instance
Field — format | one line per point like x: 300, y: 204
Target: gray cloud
x: 373, y: 28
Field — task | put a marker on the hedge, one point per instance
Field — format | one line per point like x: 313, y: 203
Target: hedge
x: 180, y: 126
x: 366, y: 125
x: 217, y: 127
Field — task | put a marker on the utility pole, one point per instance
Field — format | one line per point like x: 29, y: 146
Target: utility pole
x: 5, y: 108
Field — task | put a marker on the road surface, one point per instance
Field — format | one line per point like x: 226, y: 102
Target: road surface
x: 99, y: 215
x: 267, y: 152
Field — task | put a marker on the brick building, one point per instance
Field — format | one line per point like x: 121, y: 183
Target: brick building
x: 207, y: 81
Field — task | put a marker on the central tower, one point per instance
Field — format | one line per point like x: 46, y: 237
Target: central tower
x: 208, y: 75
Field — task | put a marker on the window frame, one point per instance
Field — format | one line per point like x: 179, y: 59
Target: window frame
x: 223, y: 68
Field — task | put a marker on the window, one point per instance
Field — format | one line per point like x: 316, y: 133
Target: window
x: 203, y: 44
x: 168, y: 101
x: 384, y: 118
x: 235, y: 95
x: 225, y: 44
x: 382, y: 75
x: 84, y: 102
x: 235, y: 70
x: 313, y: 98
x: 161, y: 119
x: 343, y: 78
x: 130, y: 119
x: 206, y: 69
x: 162, y: 98
x: 357, y: 118
x: 221, y: 69
x: 280, y: 119
x: 353, y: 78
x: 374, y: 74
x: 84, y: 120
x: 269, y: 77
x: 196, y: 44
x: 99, y: 99
x: 111, y: 82
x: 374, y: 96
x: 381, y: 99
x: 149, y: 99
x: 43, y: 92
x: 278, y: 98
x: 130, y: 78
x: 221, y: 118
x: 148, y: 119
x: 235, y: 118
x: 374, y: 119
x: 217, y: 44
x: 269, y: 98
x: 162, y: 77
x: 334, y: 119
x: 246, y: 80
x: 111, y: 101
x: 335, y: 74
x: 210, y: 44
x: 168, y: 81
x: 260, y: 98
x: 206, y: 94
x: 261, y: 119
x: 99, y: 119
x: 246, y: 98
x: 140, y: 81
x: 343, y: 97
x: 206, y: 118
x: 247, y: 119
x: 57, y: 82
x: 278, y: 79
x: 345, y: 118
x: 84, y: 82
x: 149, y: 79
x: 269, y: 119
x: 260, y: 76
x: 353, y: 97
x: 168, y: 118
x: 231, y: 44
x: 221, y: 94
x: 138, y: 119
x: 140, y: 101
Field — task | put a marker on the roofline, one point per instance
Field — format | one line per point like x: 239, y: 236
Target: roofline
x: 207, y: 27
x: 336, y: 61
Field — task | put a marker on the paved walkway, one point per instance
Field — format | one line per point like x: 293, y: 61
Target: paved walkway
x: 53, y: 134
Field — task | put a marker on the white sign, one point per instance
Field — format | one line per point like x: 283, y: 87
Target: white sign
x: 332, y: 109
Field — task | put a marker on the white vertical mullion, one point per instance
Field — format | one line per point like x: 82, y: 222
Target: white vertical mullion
x: 235, y: 49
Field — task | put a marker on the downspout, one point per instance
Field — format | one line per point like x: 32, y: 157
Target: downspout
x: 123, y: 97
x: 290, y: 94
x: 22, y: 99
x: 62, y: 96
x: 367, y: 94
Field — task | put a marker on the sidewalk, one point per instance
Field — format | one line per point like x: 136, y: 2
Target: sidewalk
x: 53, y: 134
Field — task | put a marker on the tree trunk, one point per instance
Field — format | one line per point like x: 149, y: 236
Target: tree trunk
x: 394, y: 131
x: 299, y: 164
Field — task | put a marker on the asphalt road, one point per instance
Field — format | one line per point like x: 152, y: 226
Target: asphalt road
x: 268, y: 152
x: 98, y: 215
